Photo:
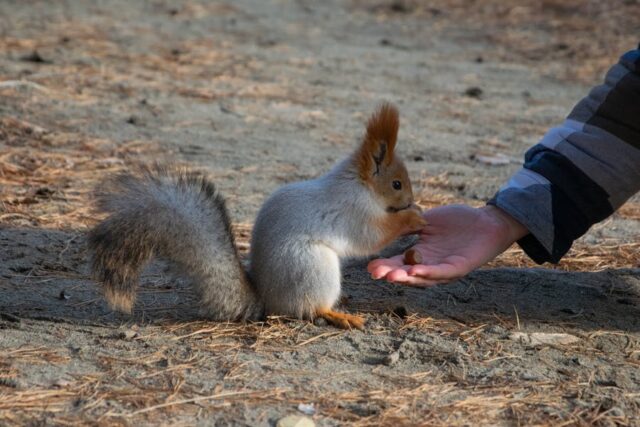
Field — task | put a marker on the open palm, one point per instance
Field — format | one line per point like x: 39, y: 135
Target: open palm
x: 457, y: 240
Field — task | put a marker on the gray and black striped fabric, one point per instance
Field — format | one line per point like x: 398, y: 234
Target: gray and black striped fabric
x: 581, y: 171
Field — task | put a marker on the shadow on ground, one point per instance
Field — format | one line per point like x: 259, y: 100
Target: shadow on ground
x: 44, y: 275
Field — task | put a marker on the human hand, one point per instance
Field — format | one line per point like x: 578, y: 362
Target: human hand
x: 456, y: 240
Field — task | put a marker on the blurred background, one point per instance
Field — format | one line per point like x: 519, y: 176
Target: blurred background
x: 259, y: 93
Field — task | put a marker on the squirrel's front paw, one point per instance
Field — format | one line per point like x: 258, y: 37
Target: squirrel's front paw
x: 412, y: 220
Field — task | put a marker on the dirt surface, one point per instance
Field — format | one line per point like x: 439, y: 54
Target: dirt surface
x: 260, y: 93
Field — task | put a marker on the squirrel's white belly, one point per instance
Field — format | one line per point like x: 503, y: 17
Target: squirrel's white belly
x: 302, y: 284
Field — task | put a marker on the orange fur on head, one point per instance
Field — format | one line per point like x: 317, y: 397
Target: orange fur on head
x: 379, y: 141
x: 378, y: 166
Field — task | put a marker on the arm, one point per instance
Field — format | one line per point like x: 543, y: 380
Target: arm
x: 581, y: 171
x: 577, y: 175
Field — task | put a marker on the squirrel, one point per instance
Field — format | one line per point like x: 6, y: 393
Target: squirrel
x: 302, y: 230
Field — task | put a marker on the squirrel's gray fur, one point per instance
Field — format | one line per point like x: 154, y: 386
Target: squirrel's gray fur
x: 177, y: 216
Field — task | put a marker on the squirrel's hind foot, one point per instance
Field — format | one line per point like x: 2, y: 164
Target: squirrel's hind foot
x: 342, y: 320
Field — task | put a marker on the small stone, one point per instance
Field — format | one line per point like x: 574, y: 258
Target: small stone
x: 528, y: 376
x: 541, y: 338
x: 391, y: 359
x: 61, y: 383
x: 616, y: 412
x: 307, y: 408
x: 36, y: 58
x: 495, y: 329
x: 44, y: 192
x: 134, y: 120
x: 474, y: 92
x: 127, y: 335
x: 295, y: 421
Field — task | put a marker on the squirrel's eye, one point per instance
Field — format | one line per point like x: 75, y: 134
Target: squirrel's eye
x: 397, y: 185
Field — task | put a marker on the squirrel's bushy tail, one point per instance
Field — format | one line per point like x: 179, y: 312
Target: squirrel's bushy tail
x: 177, y: 216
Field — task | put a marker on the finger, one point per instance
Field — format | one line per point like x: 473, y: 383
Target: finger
x: 377, y: 263
x: 436, y: 272
x: 382, y: 266
x: 381, y: 271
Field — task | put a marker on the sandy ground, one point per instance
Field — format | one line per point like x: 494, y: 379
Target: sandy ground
x: 260, y: 93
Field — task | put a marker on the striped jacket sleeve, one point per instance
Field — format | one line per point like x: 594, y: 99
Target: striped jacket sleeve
x: 581, y: 171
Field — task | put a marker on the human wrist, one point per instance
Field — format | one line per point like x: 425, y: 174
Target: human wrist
x: 510, y: 228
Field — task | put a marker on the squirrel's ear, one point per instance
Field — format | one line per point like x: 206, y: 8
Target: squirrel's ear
x: 379, y: 141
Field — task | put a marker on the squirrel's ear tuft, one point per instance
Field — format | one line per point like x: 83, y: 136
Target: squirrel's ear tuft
x: 379, y: 141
